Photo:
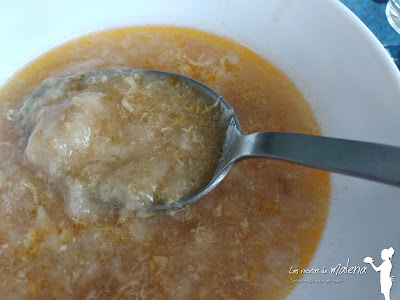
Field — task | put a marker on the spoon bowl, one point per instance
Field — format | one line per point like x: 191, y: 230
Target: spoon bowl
x: 372, y: 161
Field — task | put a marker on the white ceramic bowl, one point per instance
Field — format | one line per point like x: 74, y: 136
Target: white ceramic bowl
x: 340, y: 67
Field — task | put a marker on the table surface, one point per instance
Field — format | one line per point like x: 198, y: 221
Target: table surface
x: 372, y: 13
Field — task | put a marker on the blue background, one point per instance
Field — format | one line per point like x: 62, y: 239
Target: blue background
x: 372, y: 13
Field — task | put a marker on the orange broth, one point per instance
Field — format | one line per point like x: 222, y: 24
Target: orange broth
x: 238, y: 242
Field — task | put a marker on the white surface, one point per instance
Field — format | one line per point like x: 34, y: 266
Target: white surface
x: 336, y: 62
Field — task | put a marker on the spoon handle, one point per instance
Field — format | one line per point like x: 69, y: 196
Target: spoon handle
x: 372, y: 161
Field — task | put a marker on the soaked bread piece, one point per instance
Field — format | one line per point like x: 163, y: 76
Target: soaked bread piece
x: 121, y: 139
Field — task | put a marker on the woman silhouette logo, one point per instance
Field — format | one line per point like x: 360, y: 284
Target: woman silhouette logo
x: 385, y: 268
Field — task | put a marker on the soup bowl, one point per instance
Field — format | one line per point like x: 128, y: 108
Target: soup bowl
x: 342, y: 70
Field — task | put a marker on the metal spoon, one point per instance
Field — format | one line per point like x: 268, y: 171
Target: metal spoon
x: 376, y: 162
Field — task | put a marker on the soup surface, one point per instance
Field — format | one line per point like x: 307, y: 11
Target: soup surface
x: 238, y: 242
